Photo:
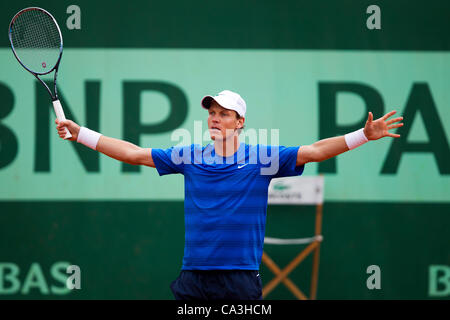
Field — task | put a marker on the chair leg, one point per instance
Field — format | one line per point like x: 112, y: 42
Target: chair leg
x: 315, y: 273
x: 315, y: 267
x: 287, y: 282
x: 291, y: 266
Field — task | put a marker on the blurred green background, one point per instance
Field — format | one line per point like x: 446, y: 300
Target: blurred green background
x: 311, y: 70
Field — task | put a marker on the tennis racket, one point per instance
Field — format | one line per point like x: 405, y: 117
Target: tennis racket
x: 37, y: 44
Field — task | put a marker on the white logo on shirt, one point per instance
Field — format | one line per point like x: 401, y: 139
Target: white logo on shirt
x: 242, y: 165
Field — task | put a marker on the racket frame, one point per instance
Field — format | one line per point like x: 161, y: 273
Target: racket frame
x: 55, y: 67
x: 54, y: 96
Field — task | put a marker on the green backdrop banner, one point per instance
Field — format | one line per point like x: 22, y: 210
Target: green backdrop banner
x: 133, y: 250
x: 307, y: 70
x: 294, y: 97
x: 288, y: 24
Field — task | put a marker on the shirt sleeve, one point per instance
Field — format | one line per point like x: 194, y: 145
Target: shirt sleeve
x: 281, y: 161
x: 288, y: 162
x: 171, y: 160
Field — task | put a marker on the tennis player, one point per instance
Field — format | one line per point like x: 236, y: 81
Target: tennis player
x: 226, y: 189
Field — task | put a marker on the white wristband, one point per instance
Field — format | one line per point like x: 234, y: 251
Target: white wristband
x: 355, y: 139
x: 88, y: 137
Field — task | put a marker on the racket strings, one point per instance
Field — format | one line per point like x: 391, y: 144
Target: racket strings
x: 36, y: 40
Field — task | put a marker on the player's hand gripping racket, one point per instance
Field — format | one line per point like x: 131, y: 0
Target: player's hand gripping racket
x: 36, y: 42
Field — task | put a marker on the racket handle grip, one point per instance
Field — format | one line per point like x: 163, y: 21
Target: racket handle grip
x: 60, y: 115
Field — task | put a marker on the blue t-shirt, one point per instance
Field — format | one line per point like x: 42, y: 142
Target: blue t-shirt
x: 226, y: 200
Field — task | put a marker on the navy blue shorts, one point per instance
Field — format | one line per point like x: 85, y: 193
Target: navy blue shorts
x: 217, y: 285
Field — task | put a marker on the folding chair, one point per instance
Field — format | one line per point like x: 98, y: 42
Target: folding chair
x: 296, y: 191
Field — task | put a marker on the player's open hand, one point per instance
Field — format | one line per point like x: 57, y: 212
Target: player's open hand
x: 69, y: 124
x: 379, y: 128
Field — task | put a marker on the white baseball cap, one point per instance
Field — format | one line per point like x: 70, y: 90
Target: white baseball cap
x: 227, y: 99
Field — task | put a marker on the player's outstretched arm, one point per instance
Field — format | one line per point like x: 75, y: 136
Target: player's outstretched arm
x: 331, y: 147
x: 117, y: 149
